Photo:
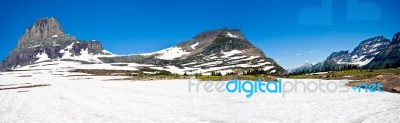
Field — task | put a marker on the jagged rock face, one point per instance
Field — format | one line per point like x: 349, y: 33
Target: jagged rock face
x: 389, y: 57
x: 371, y: 47
x: 45, y: 36
x: 94, y: 47
x: 396, y: 38
x: 42, y: 29
x: 336, y: 56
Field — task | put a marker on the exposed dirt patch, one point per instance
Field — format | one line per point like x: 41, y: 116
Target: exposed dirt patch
x: 23, y: 91
x: 50, y: 64
x: 76, y: 75
x: 15, y: 84
x: 80, y: 78
x: 104, y: 72
x: 390, y: 82
x: 119, y: 64
x: 24, y: 86
x: 57, y: 74
x: 25, y: 76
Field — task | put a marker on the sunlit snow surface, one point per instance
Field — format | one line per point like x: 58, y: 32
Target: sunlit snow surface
x: 169, y: 53
x: 76, y: 98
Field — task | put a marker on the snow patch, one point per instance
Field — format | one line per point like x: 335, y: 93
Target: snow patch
x: 194, y: 45
x: 230, y: 53
x: 169, y: 53
x: 357, y: 60
x: 42, y: 57
x: 268, y: 67
x: 84, y: 55
x: 108, y: 52
x: 231, y: 35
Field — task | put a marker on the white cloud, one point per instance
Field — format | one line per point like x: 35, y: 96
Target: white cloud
x: 311, y: 52
x: 298, y: 54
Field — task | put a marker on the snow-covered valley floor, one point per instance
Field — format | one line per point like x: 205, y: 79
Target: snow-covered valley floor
x: 92, y: 99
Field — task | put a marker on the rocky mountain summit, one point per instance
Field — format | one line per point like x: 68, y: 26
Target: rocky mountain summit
x: 389, y: 57
x: 222, y: 50
x: 45, y: 40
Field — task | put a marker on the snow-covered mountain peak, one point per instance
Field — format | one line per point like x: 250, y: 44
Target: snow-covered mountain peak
x: 220, y: 50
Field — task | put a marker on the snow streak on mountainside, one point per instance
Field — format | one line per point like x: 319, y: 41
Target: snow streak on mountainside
x: 169, y: 53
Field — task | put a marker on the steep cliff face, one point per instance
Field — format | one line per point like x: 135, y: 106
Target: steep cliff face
x: 42, y: 29
x: 396, y: 38
x: 336, y: 56
x: 45, y: 40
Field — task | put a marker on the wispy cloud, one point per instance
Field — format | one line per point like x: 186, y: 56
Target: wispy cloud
x: 311, y: 52
x: 298, y: 54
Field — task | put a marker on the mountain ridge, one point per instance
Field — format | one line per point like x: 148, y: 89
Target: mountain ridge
x: 371, y: 53
x: 220, y: 50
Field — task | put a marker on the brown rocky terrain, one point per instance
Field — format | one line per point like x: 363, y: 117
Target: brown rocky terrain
x: 390, y: 82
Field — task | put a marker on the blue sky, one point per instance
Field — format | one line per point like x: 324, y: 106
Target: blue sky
x: 290, y: 31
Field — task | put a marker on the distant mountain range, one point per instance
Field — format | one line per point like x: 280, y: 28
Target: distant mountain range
x: 221, y: 50
x: 373, y: 53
